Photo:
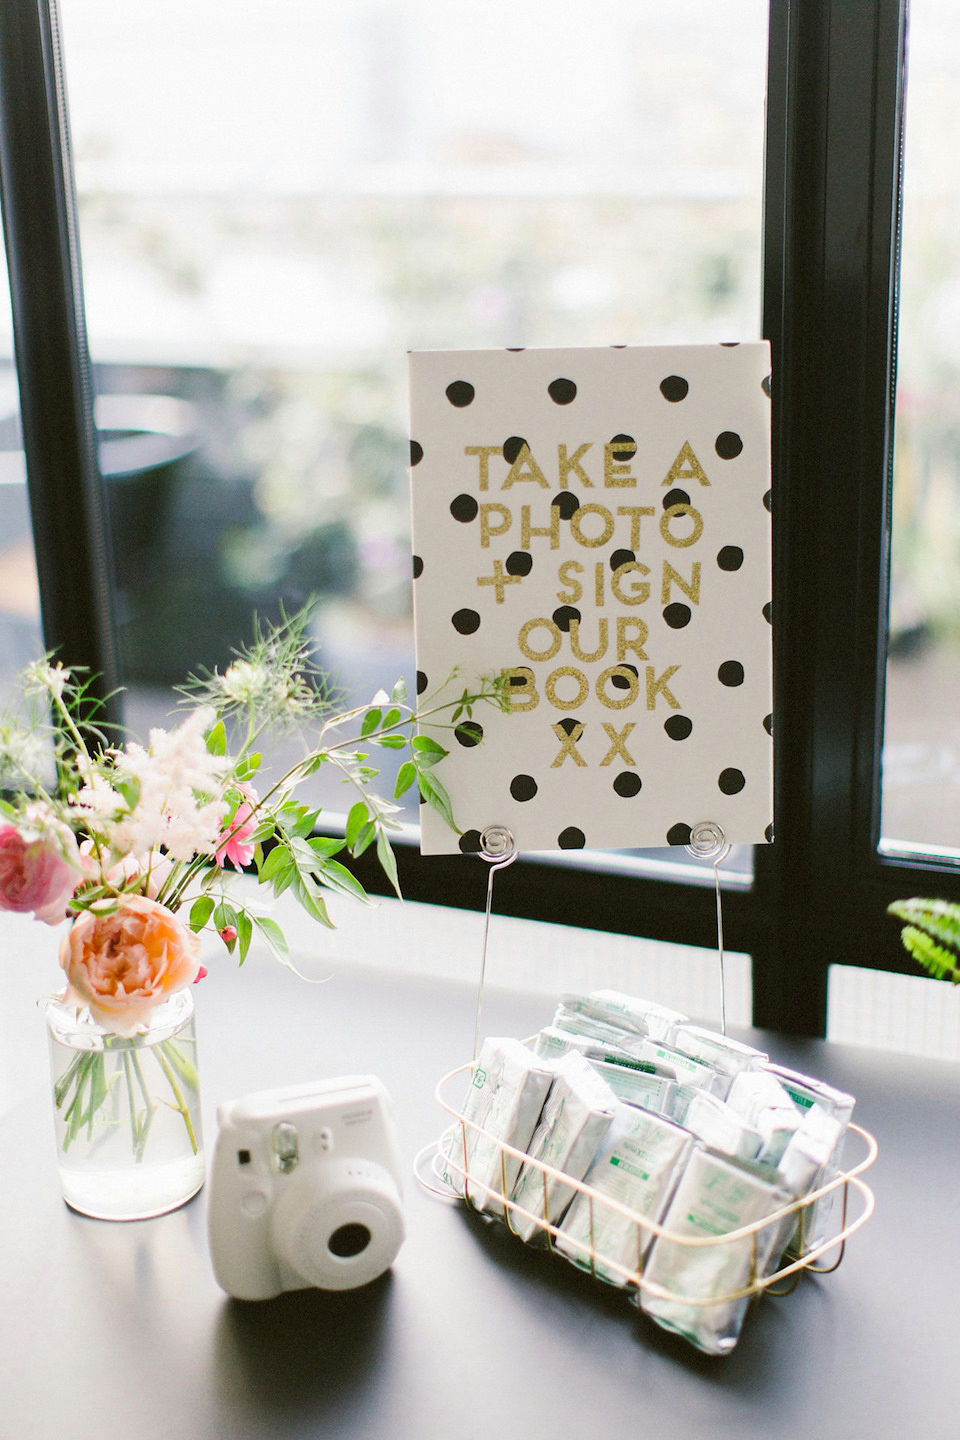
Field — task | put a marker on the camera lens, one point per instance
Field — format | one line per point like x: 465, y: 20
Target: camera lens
x: 348, y: 1240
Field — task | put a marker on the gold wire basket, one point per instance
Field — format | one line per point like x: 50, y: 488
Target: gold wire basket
x: 780, y: 1281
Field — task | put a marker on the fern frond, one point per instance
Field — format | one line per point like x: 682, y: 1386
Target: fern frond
x: 940, y: 919
x: 937, y: 961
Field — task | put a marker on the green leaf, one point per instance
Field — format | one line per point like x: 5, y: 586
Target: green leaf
x: 217, y: 739
x: 424, y: 745
x: 940, y: 963
x: 393, y: 742
x: 248, y: 766
x: 200, y: 912
x: 388, y: 862
x: 364, y: 839
x: 371, y: 721
x: 276, y: 862
x: 244, y: 933
x: 358, y: 817
x: 313, y: 903
x: 338, y: 877
x: 273, y: 935
x: 325, y: 845
x: 437, y: 798
x: 405, y: 778
x: 939, y: 918
x: 392, y: 717
x: 399, y: 691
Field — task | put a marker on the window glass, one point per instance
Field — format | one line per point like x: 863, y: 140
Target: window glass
x: 921, y: 762
x: 278, y: 199
x: 20, y: 631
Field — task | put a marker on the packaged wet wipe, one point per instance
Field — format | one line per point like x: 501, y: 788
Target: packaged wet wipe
x: 574, y: 1022
x: 640, y: 1083
x: 760, y: 1098
x: 505, y: 1099
x: 719, y: 1126
x: 610, y: 1006
x: 551, y: 1043
x: 823, y: 1218
x: 637, y: 1166
x: 714, y: 1197
x: 575, y: 1118
x: 726, y: 1055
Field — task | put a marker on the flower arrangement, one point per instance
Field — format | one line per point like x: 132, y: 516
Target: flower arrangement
x: 139, y: 846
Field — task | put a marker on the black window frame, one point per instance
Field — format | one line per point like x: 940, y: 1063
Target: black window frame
x: 836, y: 79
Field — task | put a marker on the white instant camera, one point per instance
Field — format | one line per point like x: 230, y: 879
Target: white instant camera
x: 305, y: 1189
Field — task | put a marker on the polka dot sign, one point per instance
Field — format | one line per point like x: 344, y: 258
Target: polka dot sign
x: 594, y: 526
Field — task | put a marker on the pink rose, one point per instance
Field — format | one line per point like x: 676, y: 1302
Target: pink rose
x: 36, y: 875
x: 125, y: 964
x: 233, y: 844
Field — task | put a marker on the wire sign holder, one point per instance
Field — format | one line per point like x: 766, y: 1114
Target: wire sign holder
x: 708, y: 842
x: 498, y: 848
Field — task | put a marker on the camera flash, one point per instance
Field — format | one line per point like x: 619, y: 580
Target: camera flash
x: 286, y: 1147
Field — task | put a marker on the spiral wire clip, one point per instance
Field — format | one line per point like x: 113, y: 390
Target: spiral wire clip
x: 708, y: 842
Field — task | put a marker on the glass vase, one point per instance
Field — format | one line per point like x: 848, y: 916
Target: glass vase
x: 126, y: 1111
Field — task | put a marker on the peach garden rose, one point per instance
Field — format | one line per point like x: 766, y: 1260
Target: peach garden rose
x: 122, y: 965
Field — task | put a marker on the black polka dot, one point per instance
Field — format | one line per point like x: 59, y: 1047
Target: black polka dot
x: 675, y: 497
x: 730, y: 673
x: 562, y: 391
x: 568, y: 724
x: 519, y: 562
x: 522, y: 679
x: 628, y: 448
x: 678, y: 727
x: 563, y: 616
x: 768, y: 834
x: 678, y: 834
x: 470, y: 842
x: 768, y: 612
x: 523, y: 787
x: 464, y: 508
x: 766, y: 385
x: 677, y: 615
x: 417, y: 567
x: 422, y: 682
x: 468, y: 733
x: 730, y: 557
x: 571, y: 838
x: 768, y: 724
x: 620, y: 682
x: 416, y: 453
x: 512, y: 448
x: 515, y: 349
x: 729, y: 344
x: 728, y: 445
x: 674, y: 388
x: 621, y: 557
x: 628, y: 784
x: 768, y: 501
x: 465, y: 622
x: 731, y: 781
x: 567, y: 503
x: 460, y: 393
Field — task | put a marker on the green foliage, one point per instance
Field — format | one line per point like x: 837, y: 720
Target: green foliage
x: 931, y: 935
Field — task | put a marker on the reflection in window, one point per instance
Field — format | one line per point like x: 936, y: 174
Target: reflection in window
x: 279, y: 199
x: 921, y: 766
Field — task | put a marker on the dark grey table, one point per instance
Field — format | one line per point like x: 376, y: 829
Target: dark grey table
x: 120, y: 1330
